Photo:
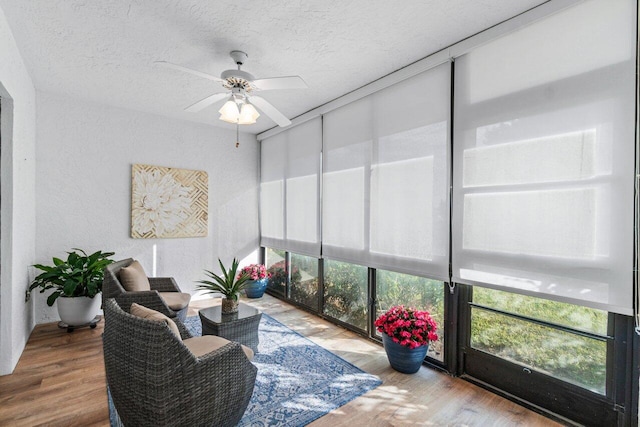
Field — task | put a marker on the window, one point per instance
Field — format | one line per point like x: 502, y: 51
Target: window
x: 569, y: 315
x: 304, y: 280
x: 276, y: 263
x: 345, y: 292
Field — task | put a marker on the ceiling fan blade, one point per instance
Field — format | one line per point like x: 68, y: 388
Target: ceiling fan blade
x: 204, y: 103
x: 270, y: 110
x: 189, y: 70
x: 273, y: 83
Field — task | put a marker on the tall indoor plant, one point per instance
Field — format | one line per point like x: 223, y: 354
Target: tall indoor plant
x: 229, y: 284
x: 406, y: 334
x: 76, y: 282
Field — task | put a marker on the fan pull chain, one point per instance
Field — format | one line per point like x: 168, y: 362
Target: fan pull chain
x: 237, y: 135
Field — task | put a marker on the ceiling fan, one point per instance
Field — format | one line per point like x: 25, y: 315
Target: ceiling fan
x: 241, y: 87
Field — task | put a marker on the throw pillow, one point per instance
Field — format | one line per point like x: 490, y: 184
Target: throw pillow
x: 133, y: 278
x: 156, y: 316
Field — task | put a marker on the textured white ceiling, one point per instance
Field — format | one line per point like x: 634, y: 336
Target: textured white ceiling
x: 103, y: 50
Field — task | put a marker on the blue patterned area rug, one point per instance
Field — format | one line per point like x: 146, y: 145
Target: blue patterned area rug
x: 298, y: 381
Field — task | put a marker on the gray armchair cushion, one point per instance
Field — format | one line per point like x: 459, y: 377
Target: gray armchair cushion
x: 133, y: 278
x: 200, y: 346
x: 156, y: 316
x: 176, y: 300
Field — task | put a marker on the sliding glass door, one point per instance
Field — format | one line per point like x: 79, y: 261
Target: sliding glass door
x: 573, y: 361
x: 543, y: 196
x: 564, y: 341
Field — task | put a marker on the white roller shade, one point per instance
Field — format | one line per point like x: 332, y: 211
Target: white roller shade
x: 544, y: 158
x: 273, y: 152
x: 345, y: 181
x: 386, y: 178
x: 289, y: 199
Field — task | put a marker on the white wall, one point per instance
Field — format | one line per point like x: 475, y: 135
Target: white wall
x: 17, y: 194
x: 85, y: 152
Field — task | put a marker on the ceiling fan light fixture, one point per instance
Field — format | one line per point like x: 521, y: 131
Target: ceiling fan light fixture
x: 248, y: 114
x: 229, y: 112
x: 237, y: 109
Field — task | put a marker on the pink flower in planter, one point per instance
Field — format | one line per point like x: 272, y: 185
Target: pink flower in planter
x: 407, y: 326
x: 255, y: 272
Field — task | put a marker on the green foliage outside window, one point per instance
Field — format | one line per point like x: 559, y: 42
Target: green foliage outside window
x: 574, y: 358
x: 573, y: 316
x: 304, y: 280
x: 275, y: 264
x: 345, y: 292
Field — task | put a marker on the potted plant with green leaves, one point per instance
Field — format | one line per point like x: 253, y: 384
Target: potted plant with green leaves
x: 229, y: 284
x: 75, y: 282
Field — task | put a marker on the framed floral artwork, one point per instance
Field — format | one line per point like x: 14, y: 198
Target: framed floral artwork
x: 168, y: 202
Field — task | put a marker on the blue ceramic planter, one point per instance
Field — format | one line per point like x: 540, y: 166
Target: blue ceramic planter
x: 256, y: 288
x: 404, y: 359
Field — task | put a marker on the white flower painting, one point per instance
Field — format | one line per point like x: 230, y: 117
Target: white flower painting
x: 168, y: 202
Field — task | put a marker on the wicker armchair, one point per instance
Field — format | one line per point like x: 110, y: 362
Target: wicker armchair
x: 156, y: 381
x: 112, y: 288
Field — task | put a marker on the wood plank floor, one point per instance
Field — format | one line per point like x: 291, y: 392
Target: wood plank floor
x: 60, y: 381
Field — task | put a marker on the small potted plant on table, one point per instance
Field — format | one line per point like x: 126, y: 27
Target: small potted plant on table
x: 229, y: 285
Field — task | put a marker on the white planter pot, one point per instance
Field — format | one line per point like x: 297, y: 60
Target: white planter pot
x: 76, y: 311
